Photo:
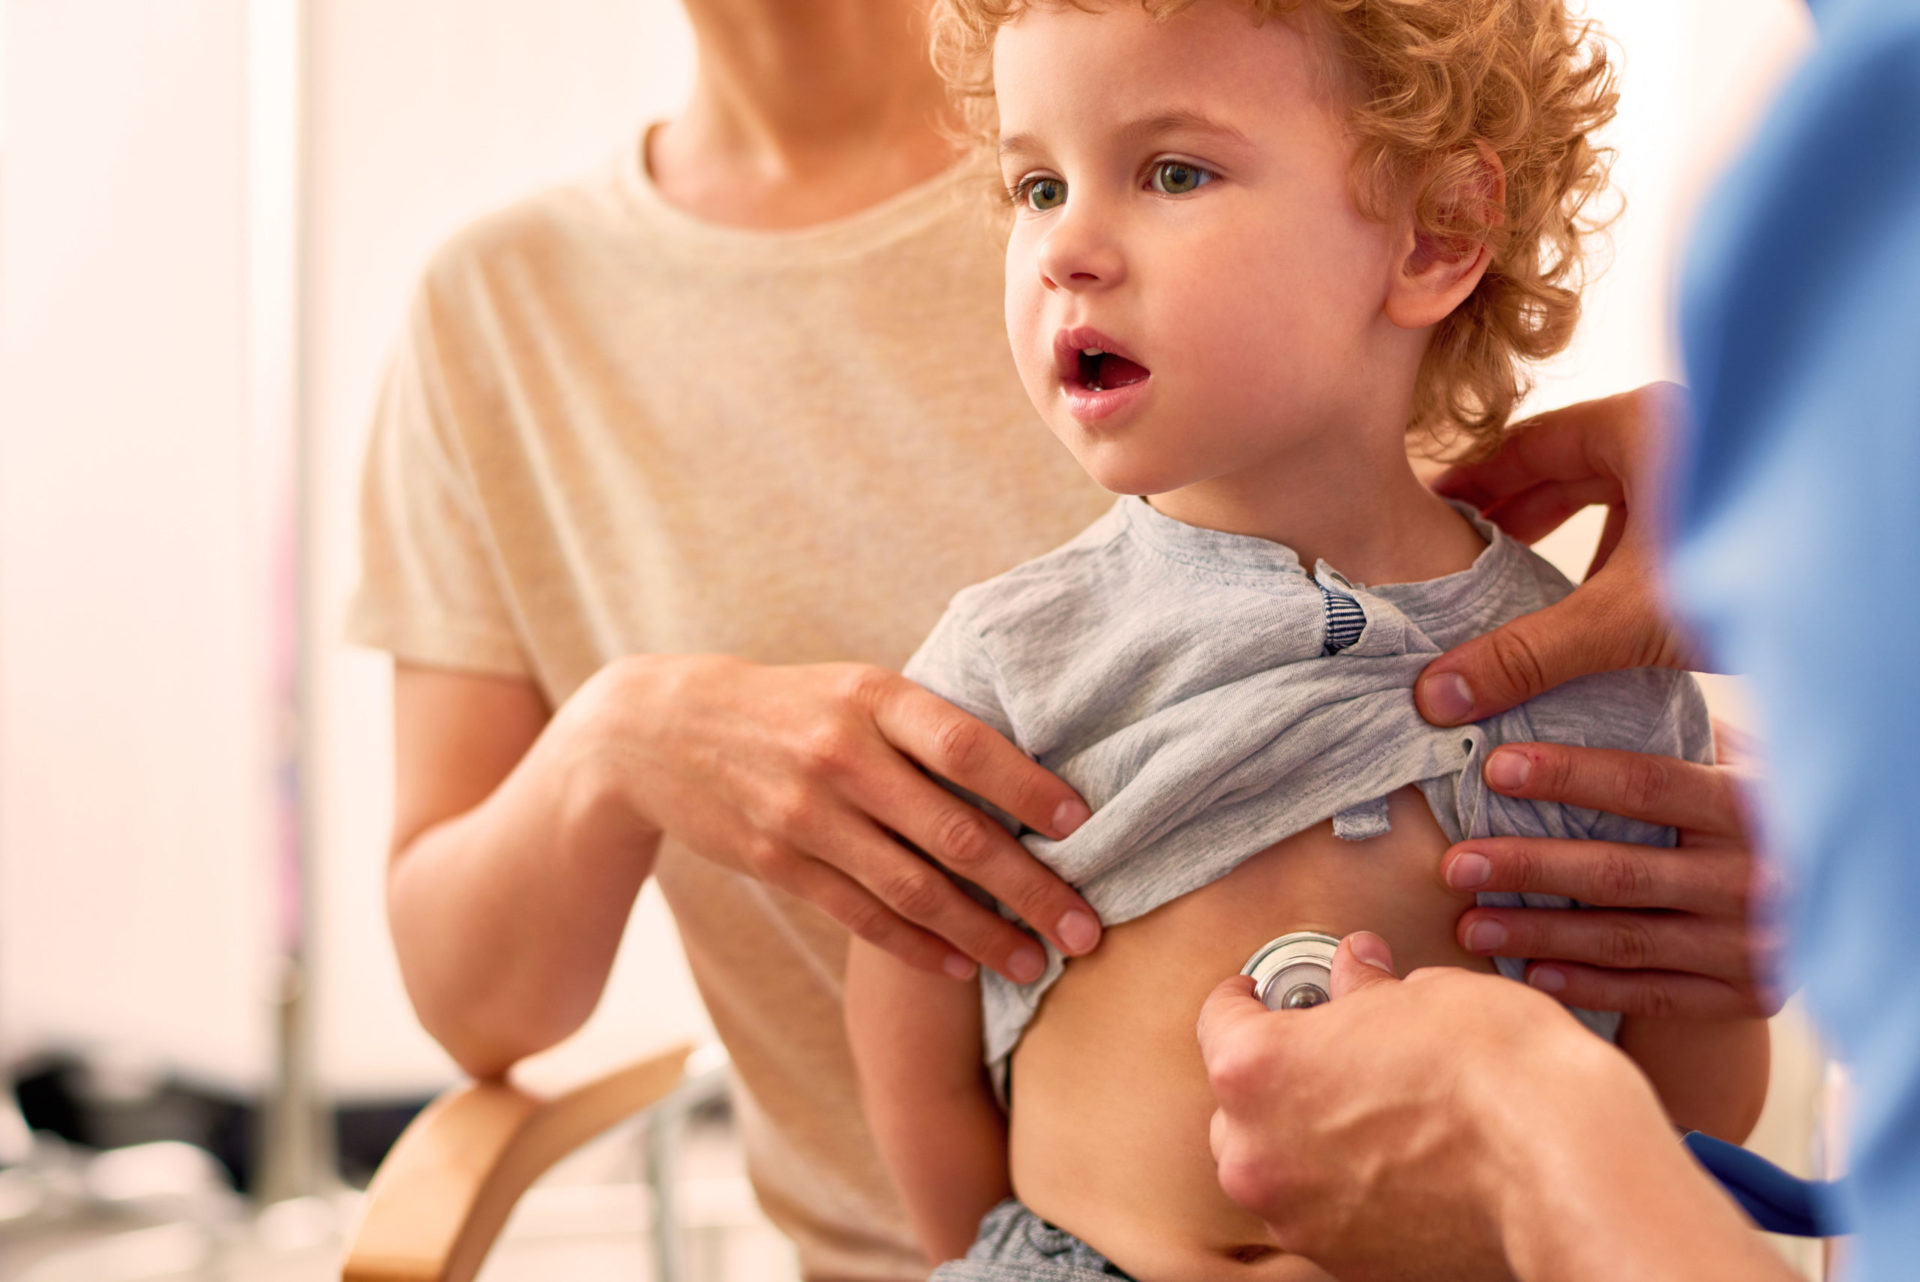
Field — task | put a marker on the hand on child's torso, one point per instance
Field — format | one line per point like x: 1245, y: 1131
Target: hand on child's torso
x: 1111, y: 1103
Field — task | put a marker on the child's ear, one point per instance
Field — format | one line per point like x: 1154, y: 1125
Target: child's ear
x: 1437, y: 272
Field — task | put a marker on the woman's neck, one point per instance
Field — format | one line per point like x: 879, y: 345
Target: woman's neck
x: 802, y: 112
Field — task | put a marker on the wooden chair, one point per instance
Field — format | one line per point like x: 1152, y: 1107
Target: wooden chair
x: 439, y: 1199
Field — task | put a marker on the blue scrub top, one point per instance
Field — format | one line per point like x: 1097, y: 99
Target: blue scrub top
x: 1797, y: 551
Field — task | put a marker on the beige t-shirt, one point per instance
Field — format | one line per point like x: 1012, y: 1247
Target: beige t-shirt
x: 611, y: 428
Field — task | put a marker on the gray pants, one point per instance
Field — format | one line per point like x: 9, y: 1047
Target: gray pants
x: 1015, y: 1245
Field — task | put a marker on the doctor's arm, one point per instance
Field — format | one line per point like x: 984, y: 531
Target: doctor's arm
x: 1455, y: 1124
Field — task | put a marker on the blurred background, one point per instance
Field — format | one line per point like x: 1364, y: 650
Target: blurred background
x: 212, y: 213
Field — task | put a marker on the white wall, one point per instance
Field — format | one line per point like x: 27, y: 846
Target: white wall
x: 133, y: 853
x: 423, y: 115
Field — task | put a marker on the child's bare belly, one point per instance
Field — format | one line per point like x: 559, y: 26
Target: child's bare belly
x: 1110, y: 1101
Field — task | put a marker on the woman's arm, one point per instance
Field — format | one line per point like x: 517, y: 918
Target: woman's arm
x: 507, y: 891
x: 917, y: 1045
x: 521, y: 839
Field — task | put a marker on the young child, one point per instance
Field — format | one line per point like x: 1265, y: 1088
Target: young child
x: 1254, y: 244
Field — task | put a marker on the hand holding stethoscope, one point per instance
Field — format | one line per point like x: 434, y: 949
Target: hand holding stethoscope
x: 1294, y: 972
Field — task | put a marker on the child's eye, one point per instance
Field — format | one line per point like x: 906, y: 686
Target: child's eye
x: 1177, y: 177
x: 1040, y: 193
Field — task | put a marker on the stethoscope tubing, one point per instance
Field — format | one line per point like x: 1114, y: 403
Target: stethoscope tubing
x: 1777, y: 1201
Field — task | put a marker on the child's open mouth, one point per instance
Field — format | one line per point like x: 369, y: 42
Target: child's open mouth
x: 1100, y: 370
x: 1097, y: 376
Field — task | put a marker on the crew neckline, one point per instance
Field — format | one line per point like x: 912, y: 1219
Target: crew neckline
x: 861, y: 232
x: 1424, y: 599
x: 1204, y: 548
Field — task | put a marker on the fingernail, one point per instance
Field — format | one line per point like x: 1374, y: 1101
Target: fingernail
x: 957, y: 966
x: 1508, y: 769
x: 1547, y: 979
x: 1026, y: 964
x: 1447, y: 697
x: 1485, y: 936
x: 1078, y: 931
x: 1373, y: 950
x: 1469, y: 868
x: 1069, y: 815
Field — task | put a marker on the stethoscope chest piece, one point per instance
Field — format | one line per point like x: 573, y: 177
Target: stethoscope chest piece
x: 1294, y: 971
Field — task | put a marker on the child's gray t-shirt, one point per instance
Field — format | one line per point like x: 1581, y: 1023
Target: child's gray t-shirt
x: 1207, y: 697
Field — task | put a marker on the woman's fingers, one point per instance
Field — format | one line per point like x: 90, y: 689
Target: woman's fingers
x: 1698, y: 879
x: 900, y: 888
x: 962, y: 838
x: 853, y: 906
x: 968, y: 843
x: 966, y: 750
x: 811, y: 778
x: 1696, y: 798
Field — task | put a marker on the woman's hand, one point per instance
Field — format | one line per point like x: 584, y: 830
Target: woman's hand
x: 1454, y: 1125
x: 812, y: 777
x: 1673, y: 934
x: 1549, y: 468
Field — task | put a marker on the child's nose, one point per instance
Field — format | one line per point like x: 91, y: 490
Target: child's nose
x: 1080, y: 253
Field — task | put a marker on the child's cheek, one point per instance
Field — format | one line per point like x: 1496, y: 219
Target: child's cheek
x: 1032, y: 349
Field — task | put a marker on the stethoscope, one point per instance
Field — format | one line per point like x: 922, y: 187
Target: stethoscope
x: 1295, y: 972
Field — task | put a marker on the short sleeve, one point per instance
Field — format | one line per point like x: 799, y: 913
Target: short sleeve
x: 954, y: 663
x: 429, y: 589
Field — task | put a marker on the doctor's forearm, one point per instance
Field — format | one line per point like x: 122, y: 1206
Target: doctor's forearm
x: 1608, y: 1193
x: 506, y: 918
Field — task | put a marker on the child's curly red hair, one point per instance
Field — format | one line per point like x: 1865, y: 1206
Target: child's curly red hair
x: 1435, y: 85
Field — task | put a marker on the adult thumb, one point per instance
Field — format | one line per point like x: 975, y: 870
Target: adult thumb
x: 1362, y: 961
x: 1590, y: 631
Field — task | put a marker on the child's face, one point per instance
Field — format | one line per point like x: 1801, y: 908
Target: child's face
x: 1184, y: 201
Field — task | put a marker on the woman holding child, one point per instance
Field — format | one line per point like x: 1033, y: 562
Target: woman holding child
x: 644, y: 611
